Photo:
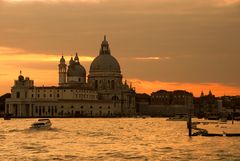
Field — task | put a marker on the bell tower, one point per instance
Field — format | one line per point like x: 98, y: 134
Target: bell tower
x: 62, y: 72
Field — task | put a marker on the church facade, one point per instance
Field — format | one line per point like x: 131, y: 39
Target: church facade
x: 101, y: 94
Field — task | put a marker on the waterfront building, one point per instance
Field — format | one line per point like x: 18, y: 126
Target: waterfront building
x: 167, y: 103
x: 103, y: 94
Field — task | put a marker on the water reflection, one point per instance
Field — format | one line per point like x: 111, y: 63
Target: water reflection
x: 111, y: 139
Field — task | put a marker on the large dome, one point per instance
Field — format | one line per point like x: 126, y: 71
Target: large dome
x: 105, y: 62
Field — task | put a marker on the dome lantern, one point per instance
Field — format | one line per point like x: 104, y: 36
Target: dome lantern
x: 76, y: 59
x: 105, y: 47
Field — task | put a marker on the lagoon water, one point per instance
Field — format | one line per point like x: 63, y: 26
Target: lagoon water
x: 111, y: 139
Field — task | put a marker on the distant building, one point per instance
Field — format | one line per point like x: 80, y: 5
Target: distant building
x: 2, y: 102
x: 142, y: 102
x: 103, y: 95
x: 207, y: 105
x: 166, y: 103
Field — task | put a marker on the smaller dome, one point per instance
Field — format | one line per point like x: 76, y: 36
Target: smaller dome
x: 20, y: 77
x: 76, y: 70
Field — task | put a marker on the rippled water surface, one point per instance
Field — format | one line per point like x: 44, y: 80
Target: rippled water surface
x: 111, y: 139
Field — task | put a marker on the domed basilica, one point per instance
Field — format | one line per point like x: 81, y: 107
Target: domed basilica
x: 103, y: 94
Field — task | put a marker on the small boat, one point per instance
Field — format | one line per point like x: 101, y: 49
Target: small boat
x: 7, y: 116
x: 42, y: 124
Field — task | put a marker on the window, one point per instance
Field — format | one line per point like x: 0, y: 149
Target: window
x: 96, y: 84
x: 112, y: 84
x: 18, y: 94
x: 91, y: 107
x: 81, y: 107
x: 58, y: 95
x: 32, y: 95
x: 50, y: 95
x: 100, y: 107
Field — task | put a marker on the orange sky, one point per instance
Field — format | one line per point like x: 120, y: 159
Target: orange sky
x: 160, y: 44
x: 43, y: 69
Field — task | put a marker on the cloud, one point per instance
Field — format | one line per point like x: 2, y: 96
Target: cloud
x: 227, y: 2
x: 55, y: 1
x: 152, y: 58
x: 18, y: 55
x: 148, y: 58
x: 144, y: 86
x: 3, y: 74
x: 8, y: 50
x: 202, y: 29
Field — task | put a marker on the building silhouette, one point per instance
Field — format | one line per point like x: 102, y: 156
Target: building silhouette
x: 101, y: 94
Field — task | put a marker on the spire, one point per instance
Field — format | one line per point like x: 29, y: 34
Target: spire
x: 62, y: 60
x: 20, y: 72
x: 210, y: 93
x: 202, y: 94
x: 105, y: 38
x: 76, y: 59
x: 105, y: 46
x: 71, y: 61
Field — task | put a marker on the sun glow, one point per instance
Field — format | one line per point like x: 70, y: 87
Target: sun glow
x: 144, y: 86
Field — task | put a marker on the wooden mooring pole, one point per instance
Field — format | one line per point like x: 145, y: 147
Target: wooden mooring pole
x: 189, y: 125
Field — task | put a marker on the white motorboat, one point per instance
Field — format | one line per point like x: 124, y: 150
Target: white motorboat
x: 42, y: 124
